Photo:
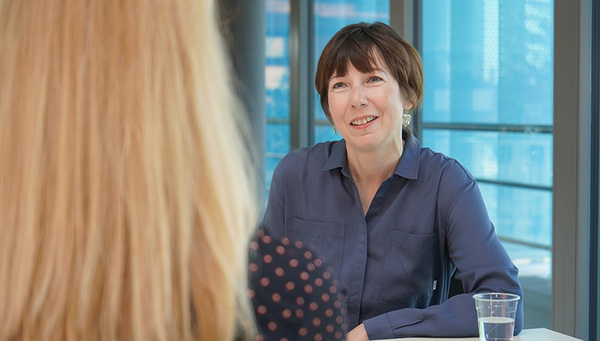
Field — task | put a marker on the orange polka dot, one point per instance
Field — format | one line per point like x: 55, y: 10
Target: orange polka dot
x: 318, y: 337
x: 293, y: 263
x: 276, y: 297
x: 311, y: 267
x: 318, y: 282
x: 329, y: 312
x: 272, y: 326
x: 280, y: 249
x: 302, y: 331
x: 316, y: 321
x: 304, y: 275
x: 299, y: 313
x: 254, y: 245
x: 339, y: 319
x: 308, y: 254
x: 286, y: 313
x: 338, y: 335
x: 338, y: 304
x: 279, y: 272
x: 267, y: 259
x: 253, y: 267
x: 298, y: 244
x: 251, y: 293
x: 284, y: 339
x: 344, y: 326
x: 325, y: 297
x: 300, y: 301
x: 326, y: 275
x: 330, y: 328
x: 285, y: 241
x: 266, y: 239
x: 313, y: 306
x: 261, y: 310
x: 264, y: 281
x: 290, y: 286
x: 259, y: 338
x: 332, y: 289
x: 318, y: 262
x: 308, y: 288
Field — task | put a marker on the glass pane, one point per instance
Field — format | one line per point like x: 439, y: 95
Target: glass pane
x: 329, y: 17
x: 497, y: 156
x: 490, y: 62
x: 326, y: 133
x: 278, y: 144
x: 277, y: 84
x: 520, y: 214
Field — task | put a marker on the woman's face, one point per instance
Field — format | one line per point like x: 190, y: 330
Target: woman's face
x: 367, y: 108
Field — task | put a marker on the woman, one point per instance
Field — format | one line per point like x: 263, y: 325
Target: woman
x: 393, y: 219
x: 119, y: 219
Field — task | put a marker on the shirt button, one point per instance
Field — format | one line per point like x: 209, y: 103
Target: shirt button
x: 379, y: 200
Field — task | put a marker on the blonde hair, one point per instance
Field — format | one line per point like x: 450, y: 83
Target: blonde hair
x: 126, y: 199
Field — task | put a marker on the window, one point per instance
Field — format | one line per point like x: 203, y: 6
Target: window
x: 488, y: 103
x: 277, y: 84
x: 325, y: 17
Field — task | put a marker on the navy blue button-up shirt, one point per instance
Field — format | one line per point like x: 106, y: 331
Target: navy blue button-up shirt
x: 394, y: 264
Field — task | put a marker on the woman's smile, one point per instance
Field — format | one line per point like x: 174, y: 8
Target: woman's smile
x: 363, y: 122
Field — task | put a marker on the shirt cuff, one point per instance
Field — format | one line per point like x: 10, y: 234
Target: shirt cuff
x: 379, y: 327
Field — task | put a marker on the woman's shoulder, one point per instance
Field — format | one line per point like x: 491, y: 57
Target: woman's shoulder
x: 308, y: 156
x: 436, y: 162
x: 320, y: 150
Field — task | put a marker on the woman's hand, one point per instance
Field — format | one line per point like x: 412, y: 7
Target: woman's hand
x: 358, y: 334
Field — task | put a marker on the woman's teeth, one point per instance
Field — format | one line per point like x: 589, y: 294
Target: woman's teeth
x: 363, y: 121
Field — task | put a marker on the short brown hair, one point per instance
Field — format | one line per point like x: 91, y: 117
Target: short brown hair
x: 361, y: 45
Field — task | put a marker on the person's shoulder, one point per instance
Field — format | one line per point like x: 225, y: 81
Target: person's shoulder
x: 437, y: 162
x: 301, y: 157
x: 291, y: 288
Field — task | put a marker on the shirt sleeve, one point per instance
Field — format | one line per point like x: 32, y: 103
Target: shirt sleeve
x: 274, y: 218
x: 482, y: 265
x: 293, y: 294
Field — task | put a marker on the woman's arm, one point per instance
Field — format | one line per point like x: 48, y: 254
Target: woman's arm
x: 482, y: 265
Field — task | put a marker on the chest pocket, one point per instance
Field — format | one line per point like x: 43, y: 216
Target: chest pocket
x: 326, y: 238
x: 408, y: 270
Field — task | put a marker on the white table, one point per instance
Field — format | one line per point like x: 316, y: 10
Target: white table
x: 538, y: 334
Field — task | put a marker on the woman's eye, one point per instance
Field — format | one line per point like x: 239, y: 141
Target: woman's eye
x: 337, y: 85
x: 375, y: 79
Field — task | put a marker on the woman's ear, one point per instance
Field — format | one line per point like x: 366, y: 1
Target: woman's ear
x: 407, y: 106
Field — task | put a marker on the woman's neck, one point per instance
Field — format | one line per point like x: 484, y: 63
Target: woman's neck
x: 373, y: 167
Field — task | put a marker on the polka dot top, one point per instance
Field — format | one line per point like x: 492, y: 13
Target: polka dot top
x: 293, y: 293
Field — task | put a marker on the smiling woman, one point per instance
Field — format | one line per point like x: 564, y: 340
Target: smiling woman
x: 396, y: 220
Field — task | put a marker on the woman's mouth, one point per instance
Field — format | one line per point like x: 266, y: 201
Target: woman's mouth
x: 362, y: 121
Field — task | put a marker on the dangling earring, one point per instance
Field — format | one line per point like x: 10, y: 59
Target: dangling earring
x: 335, y: 130
x: 406, y: 120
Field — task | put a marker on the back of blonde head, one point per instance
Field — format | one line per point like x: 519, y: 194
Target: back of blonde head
x: 125, y: 205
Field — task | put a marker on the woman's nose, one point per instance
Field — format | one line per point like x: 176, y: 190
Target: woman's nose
x: 358, y: 98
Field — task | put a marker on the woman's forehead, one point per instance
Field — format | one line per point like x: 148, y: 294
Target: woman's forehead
x: 364, y: 65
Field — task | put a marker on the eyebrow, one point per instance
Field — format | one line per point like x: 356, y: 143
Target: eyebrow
x: 374, y: 69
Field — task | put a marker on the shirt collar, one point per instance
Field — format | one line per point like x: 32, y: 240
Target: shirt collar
x: 408, y: 167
